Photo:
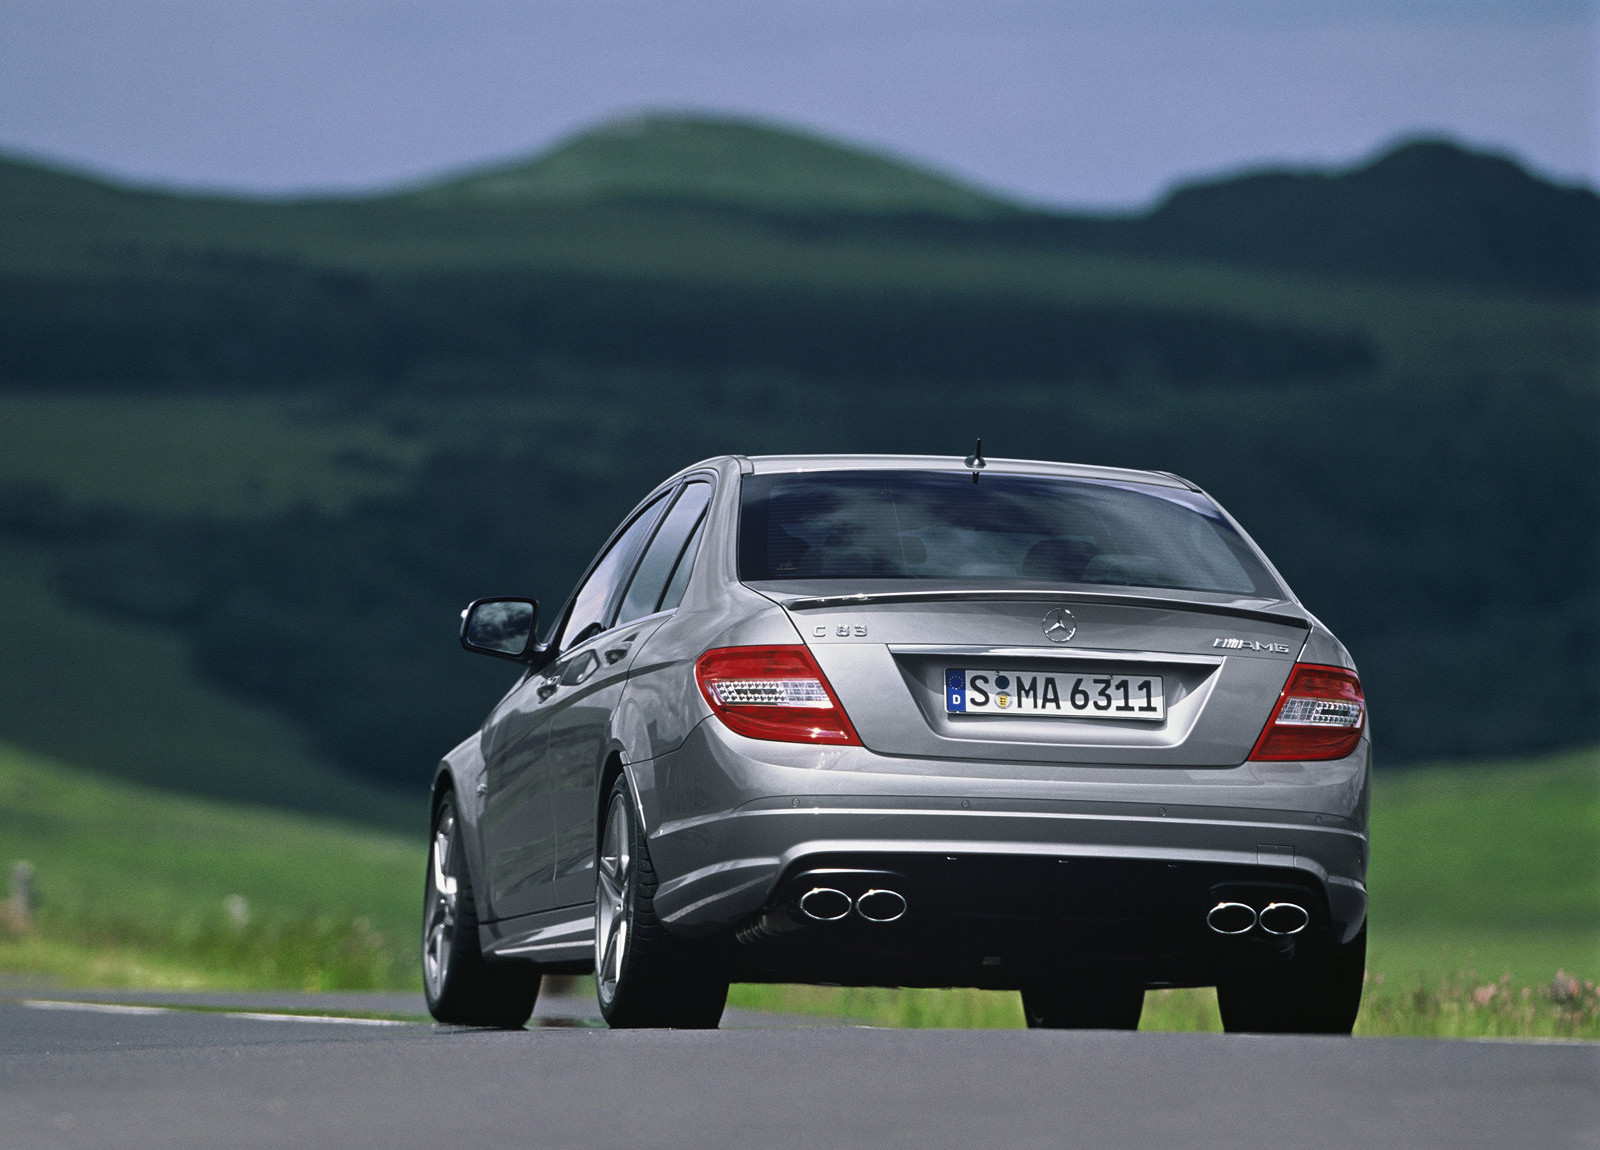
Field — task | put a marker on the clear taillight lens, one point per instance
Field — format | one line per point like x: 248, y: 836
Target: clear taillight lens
x: 776, y: 693
x: 1320, y: 715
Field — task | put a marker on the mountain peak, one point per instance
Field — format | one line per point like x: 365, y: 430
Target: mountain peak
x: 1423, y: 209
x: 675, y: 156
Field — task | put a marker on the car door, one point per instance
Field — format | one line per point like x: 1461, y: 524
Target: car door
x: 519, y: 820
x: 591, y: 685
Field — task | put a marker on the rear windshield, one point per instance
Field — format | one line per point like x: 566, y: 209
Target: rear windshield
x: 940, y: 525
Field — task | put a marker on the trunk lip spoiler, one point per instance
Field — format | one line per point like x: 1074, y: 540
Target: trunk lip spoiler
x: 1056, y: 654
x: 1287, y: 616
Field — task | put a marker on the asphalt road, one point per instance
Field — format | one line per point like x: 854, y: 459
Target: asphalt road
x: 75, y: 1074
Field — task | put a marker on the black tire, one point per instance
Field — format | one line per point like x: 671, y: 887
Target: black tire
x: 1317, y: 993
x: 1092, y: 1006
x: 643, y: 976
x: 461, y: 986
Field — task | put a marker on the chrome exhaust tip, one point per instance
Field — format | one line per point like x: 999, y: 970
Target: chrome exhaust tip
x: 824, y: 904
x: 1284, y: 918
x: 1231, y: 918
x: 881, y: 905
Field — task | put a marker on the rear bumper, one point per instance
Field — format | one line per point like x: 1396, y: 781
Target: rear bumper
x: 1070, y: 844
x: 1002, y: 921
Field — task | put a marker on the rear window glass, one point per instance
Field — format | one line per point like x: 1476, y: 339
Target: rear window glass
x: 934, y: 525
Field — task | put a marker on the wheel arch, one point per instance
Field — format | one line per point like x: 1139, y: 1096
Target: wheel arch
x: 456, y: 775
x: 609, y: 771
x: 444, y: 782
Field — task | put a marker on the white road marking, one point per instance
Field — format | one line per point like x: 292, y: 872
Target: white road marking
x: 91, y: 1007
x: 325, y: 1018
x: 257, y: 1016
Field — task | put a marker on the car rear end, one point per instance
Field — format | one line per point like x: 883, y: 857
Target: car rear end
x: 980, y: 727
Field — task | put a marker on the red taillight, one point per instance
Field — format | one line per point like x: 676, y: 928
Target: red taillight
x: 776, y: 693
x: 1320, y: 715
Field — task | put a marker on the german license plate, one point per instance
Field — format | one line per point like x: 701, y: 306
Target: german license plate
x: 1054, y: 695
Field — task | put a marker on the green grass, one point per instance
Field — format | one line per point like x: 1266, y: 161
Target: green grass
x: 1463, y: 1005
x: 1509, y: 848
x: 139, y: 887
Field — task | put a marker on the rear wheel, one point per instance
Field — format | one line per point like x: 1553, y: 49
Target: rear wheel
x: 1317, y: 993
x: 462, y: 988
x: 1088, y: 1006
x: 643, y: 976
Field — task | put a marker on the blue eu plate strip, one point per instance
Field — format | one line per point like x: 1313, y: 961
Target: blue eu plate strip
x: 955, y: 691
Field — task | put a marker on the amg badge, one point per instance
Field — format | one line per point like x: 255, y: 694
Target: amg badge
x: 1250, y: 645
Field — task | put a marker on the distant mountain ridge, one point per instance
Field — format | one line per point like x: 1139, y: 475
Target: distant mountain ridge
x: 1423, y: 211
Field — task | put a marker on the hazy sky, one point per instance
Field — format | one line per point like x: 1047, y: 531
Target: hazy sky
x: 1080, y: 103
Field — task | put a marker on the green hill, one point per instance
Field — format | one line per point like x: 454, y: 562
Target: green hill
x: 735, y: 162
x: 271, y: 447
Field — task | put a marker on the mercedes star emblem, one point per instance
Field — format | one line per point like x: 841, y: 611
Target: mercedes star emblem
x: 1059, y: 625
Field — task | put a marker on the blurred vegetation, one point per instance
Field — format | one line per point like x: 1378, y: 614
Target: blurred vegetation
x: 135, y: 886
x: 254, y: 456
x: 1458, y: 1005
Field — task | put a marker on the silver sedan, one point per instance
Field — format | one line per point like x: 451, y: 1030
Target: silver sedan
x: 910, y: 721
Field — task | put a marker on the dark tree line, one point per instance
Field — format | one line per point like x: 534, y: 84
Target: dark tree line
x: 254, y: 322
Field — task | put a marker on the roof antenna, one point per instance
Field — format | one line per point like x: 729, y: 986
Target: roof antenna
x: 976, y: 461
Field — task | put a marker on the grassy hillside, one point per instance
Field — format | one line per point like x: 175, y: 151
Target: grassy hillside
x: 1484, y: 876
x: 106, y: 691
x: 1492, y: 868
x: 144, y: 887
x: 763, y: 166
x: 273, y: 447
x: 235, y: 456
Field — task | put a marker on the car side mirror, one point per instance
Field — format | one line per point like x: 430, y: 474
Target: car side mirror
x: 502, y: 627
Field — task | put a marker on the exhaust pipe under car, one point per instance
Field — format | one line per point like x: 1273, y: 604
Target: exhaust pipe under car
x: 1284, y: 918
x: 827, y: 904
x: 1279, y: 918
x: 824, y: 904
x: 1231, y: 918
x: 881, y: 905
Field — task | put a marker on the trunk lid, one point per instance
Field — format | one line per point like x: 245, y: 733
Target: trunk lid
x: 1216, y: 664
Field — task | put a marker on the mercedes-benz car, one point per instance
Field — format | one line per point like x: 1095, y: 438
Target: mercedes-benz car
x: 910, y: 721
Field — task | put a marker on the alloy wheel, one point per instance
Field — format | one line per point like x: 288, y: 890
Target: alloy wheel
x: 439, y: 934
x: 613, y: 894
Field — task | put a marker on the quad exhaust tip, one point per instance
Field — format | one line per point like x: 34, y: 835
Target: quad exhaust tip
x: 1280, y: 918
x: 881, y: 905
x: 1284, y: 918
x: 824, y: 904
x: 1231, y: 918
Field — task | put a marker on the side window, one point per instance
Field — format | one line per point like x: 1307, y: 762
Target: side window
x: 673, y: 595
x: 661, y: 558
x: 594, y: 594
